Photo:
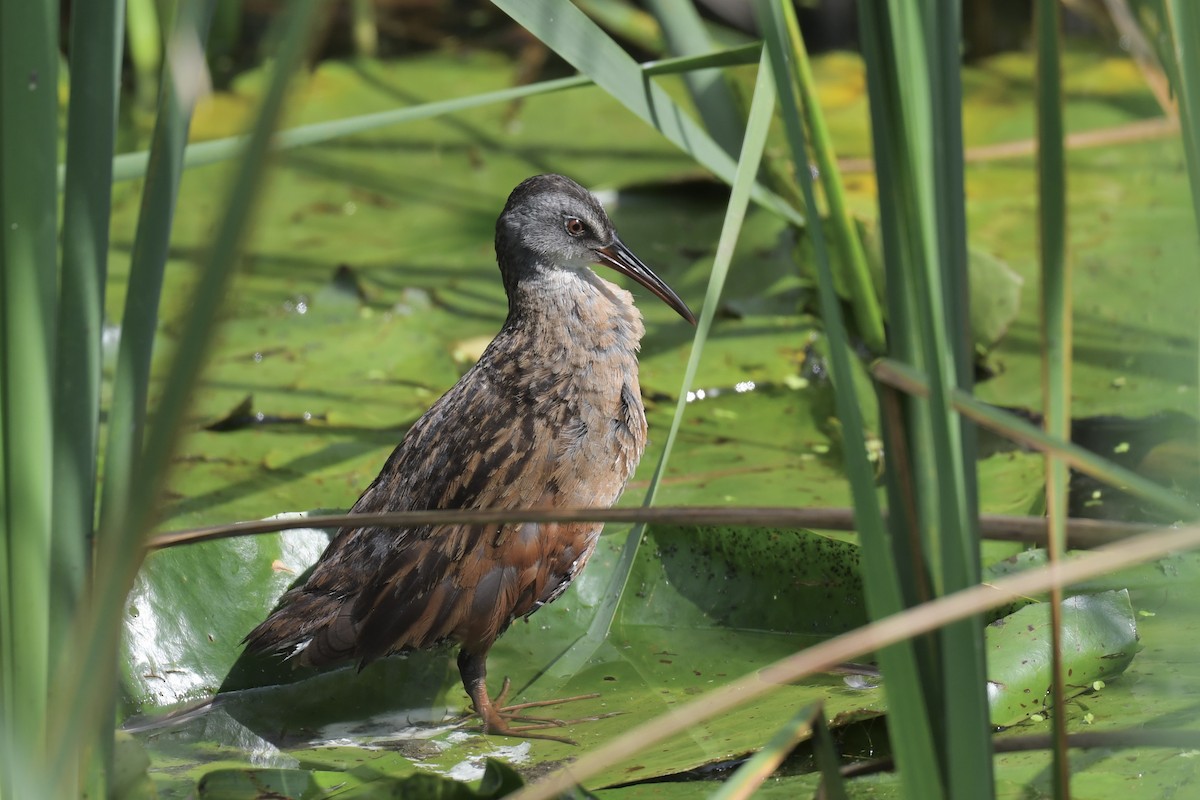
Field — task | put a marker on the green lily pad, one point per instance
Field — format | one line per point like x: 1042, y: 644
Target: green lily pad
x: 190, y: 606
x: 1099, y: 640
x: 748, y: 578
x: 1156, y: 693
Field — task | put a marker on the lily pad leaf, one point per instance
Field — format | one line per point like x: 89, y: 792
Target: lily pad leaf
x: 995, y: 296
x: 190, y: 606
x: 733, y: 578
x: 1099, y: 641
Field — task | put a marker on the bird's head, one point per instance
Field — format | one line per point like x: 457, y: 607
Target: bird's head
x: 551, y: 222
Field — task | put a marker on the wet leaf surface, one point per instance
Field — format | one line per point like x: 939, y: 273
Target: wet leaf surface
x: 1099, y: 640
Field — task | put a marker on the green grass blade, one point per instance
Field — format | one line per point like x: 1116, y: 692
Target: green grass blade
x: 567, y: 31
x: 943, y: 26
x: 1055, y: 292
x: 1182, y: 24
x: 220, y: 261
x: 626, y: 21
x: 757, y: 128
x: 711, y: 93
x: 911, y: 735
x: 967, y: 759
x: 96, y: 48
x: 867, y: 315
x: 17, y: 780
x: 1182, y: 18
x: 829, y: 761
x: 28, y: 284
x: 131, y: 166
x: 1056, y: 339
x: 901, y: 242
x: 912, y: 54
x: 77, y: 705
x: 131, y: 380
x: 97, y: 36
x: 747, y: 778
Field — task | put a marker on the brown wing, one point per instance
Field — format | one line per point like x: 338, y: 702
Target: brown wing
x: 377, y: 590
x: 468, y: 583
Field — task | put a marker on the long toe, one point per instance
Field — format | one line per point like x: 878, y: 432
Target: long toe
x: 498, y: 725
x: 540, y: 703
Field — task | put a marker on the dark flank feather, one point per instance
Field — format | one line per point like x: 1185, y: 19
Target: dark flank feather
x: 550, y: 416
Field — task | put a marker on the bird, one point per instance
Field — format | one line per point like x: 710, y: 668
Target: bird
x: 550, y: 416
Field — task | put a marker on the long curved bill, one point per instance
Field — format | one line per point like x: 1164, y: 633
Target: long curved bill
x: 622, y: 259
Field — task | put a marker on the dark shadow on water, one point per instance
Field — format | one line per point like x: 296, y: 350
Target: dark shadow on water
x: 291, y: 706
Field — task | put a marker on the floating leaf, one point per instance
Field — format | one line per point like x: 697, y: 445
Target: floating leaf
x: 1099, y: 640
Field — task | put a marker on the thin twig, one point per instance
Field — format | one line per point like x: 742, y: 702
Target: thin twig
x: 1084, y: 533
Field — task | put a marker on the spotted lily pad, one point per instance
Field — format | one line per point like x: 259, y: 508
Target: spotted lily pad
x: 1099, y: 640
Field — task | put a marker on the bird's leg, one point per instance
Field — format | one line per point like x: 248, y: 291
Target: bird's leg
x: 473, y: 669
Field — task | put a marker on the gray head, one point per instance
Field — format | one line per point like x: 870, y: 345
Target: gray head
x: 551, y: 222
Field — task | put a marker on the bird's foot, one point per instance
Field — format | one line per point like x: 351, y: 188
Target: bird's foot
x: 497, y: 718
x: 497, y: 724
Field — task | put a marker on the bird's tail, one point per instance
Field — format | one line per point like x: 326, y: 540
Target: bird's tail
x: 315, y: 628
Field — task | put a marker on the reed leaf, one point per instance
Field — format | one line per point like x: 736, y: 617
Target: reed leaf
x: 828, y: 757
x: 28, y: 286
x: 97, y: 39
x: 912, y: 55
x: 1056, y: 340
x: 867, y: 316
x: 77, y: 705
x: 145, y: 28
x: 749, y: 777
x: 1182, y: 23
x: 96, y: 49
x: 131, y: 380
x: 710, y: 90
x: 911, y: 735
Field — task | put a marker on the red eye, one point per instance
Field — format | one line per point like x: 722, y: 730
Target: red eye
x: 574, y: 226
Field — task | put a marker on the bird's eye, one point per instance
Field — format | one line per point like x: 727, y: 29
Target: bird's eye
x: 574, y: 226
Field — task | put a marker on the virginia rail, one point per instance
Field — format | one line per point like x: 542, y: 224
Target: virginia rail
x: 550, y: 416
